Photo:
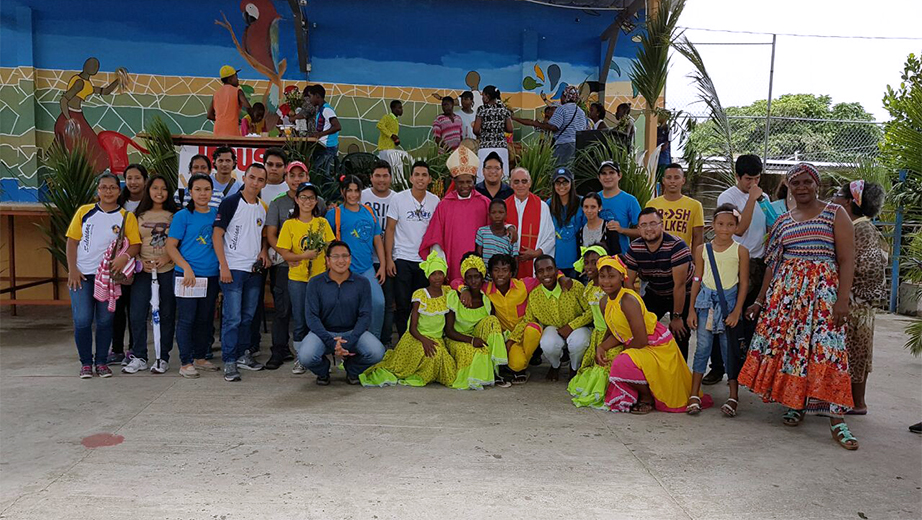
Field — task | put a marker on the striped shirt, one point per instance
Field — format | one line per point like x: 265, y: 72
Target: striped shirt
x: 448, y: 130
x: 492, y: 244
x: 655, y: 267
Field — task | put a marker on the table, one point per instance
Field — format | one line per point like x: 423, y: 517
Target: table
x: 11, y: 211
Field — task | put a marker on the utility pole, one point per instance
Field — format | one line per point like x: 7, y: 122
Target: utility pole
x: 768, y: 108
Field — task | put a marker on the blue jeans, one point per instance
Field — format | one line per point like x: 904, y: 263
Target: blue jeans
x: 563, y: 153
x: 86, y: 310
x: 707, y: 300
x: 241, y: 297
x: 195, y: 323
x: 377, y: 303
x: 312, y: 354
x: 297, y: 291
x: 324, y: 158
x: 140, y: 309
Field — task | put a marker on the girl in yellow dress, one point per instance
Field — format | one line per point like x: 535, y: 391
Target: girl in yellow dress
x: 420, y: 356
x: 651, y: 372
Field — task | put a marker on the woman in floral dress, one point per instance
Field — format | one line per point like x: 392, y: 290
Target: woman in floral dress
x: 862, y: 202
x: 798, y: 355
x: 420, y: 356
x: 475, y: 337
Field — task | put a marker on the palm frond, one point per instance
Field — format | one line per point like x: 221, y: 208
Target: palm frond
x: 437, y: 160
x: 537, y: 156
x: 162, y: 158
x: 651, y: 64
x: 71, y: 182
x: 635, y: 179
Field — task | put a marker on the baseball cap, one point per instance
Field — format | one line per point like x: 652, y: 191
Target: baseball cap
x: 304, y: 186
x: 296, y: 164
x: 612, y: 164
x: 228, y: 71
x: 564, y: 173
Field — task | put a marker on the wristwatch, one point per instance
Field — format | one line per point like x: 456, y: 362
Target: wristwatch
x: 673, y: 316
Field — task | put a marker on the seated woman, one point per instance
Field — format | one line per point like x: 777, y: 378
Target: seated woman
x: 420, y: 357
x: 591, y: 382
x: 475, y: 338
x: 651, y: 371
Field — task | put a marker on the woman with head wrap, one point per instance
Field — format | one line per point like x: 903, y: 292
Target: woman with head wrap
x: 862, y: 202
x: 798, y: 355
x: 589, y: 386
x: 475, y: 337
x: 650, y: 372
x: 420, y: 357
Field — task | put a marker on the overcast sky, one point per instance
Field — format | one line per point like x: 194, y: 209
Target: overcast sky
x: 847, y: 69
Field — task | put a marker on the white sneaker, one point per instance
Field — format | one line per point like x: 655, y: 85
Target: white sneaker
x: 135, y: 365
x: 298, y: 369
x: 159, y: 367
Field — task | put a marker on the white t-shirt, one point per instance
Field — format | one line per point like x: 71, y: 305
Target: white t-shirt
x: 132, y: 205
x: 243, y: 230
x: 379, y: 207
x: 271, y: 191
x: 754, y: 237
x: 467, y: 124
x: 412, y: 220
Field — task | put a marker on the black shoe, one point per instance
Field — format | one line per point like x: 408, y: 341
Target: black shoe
x: 288, y: 356
x: 274, y: 362
x: 536, y: 357
x: 323, y: 380
x: 916, y: 428
x: 712, y: 378
x: 353, y: 380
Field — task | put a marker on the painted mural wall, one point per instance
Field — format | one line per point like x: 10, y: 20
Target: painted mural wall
x: 162, y: 59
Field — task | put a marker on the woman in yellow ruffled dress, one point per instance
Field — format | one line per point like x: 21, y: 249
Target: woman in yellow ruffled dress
x: 591, y: 382
x: 420, y: 356
x: 650, y: 372
x: 475, y: 337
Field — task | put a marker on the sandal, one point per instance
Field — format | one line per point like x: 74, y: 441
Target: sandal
x: 693, y: 408
x: 792, y: 417
x: 844, y: 437
x: 520, y: 379
x: 641, y: 408
x: 728, y: 409
x: 501, y: 382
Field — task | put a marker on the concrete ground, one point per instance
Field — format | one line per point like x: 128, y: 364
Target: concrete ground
x: 277, y: 446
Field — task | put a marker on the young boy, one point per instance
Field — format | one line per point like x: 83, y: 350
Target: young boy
x: 494, y: 239
x: 447, y: 127
x: 327, y: 130
x: 682, y: 216
x: 389, y: 127
x: 467, y: 115
x: 378, y: 199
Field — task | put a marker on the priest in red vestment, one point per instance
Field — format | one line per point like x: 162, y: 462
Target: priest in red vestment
x: 454, y: 224
x: 532, y: 217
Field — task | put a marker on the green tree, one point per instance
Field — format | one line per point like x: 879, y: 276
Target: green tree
x: 794, y: 131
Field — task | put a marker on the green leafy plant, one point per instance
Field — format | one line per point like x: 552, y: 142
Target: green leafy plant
x: 71, y: 182
x: 635, y: 179
x: 537, y: 156
x: 162, y: 158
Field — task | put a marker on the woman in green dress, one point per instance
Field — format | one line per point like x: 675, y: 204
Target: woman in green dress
x: 591, y: 382
x: 420, y: 356
x: 475, y: 338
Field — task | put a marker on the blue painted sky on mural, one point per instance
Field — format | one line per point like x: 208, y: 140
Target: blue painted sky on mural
x: 426, y: 43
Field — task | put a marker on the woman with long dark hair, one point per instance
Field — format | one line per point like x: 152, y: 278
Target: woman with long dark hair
x: 567, y: 214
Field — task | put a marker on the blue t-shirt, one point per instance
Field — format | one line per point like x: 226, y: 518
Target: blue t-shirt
x: 357, y: 229
x: 566, y: 250
x: 624, y: 208
x: 193, y: 230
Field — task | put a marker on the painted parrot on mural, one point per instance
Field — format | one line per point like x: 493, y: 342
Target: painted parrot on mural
x: 261, y: 36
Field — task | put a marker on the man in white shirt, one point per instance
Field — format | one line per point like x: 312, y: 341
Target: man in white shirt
x: 378, y: 199
x: 275, y: 161
x: 467, y: 115
x: 242, y: 250
x: 750, y: 232
x: 532, y: 218
x: 408, y: 217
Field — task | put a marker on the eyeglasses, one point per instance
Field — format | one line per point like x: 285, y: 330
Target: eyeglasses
x: 108, y: 187
x: 650, y: 225
x: 492, y: 168
x: 520, y: 181
x: 340, y: 257
x: 307, y: 198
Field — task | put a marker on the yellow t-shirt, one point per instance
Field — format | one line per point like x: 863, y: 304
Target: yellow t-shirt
x: 680, y: 218
x: 294, y: 237
x: 94, y: 229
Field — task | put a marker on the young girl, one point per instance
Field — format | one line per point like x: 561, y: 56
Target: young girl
x: 591, y: 382
x: 356, y: 225
x: 89, y: 235
x: 475, y: 337
x: 420, y: 357
x: 129, y: 198
x: 494, y: 239
x: 255, y: 120
x: 302, y: 242
x: 567, y: 215
x: 650, y: 372
x: 154, y: 214
x: 595, y: 231
x: 733, y: 268
x: 189, y: 246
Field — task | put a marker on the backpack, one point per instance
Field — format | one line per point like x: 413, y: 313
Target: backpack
x: 337, y: 212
